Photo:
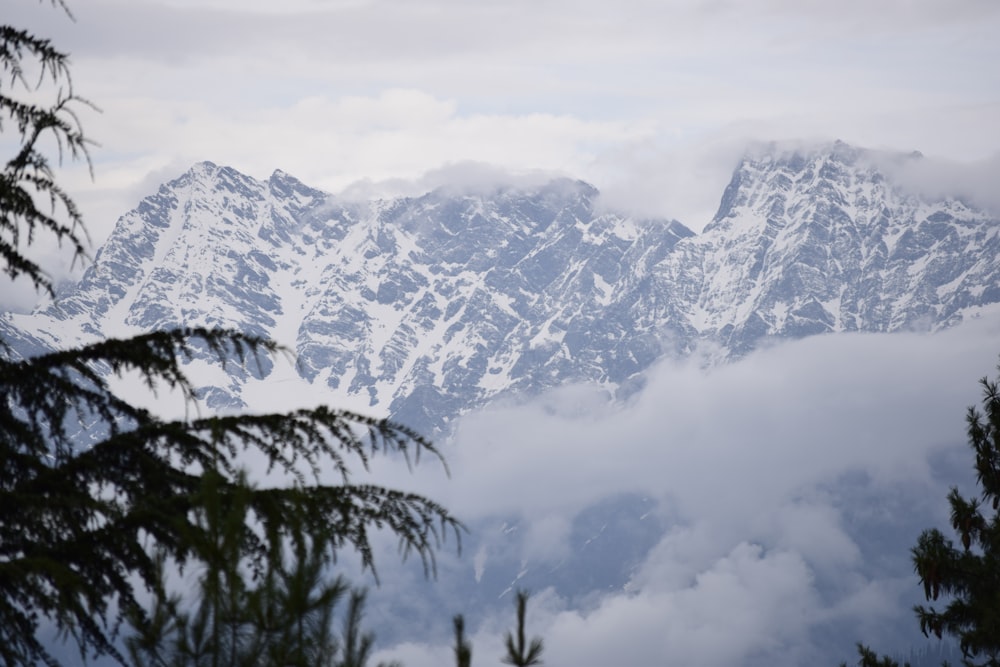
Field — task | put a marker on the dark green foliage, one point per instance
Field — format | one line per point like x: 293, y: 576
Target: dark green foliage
x: 27, y: 181
x: 519, y: 652
x: 463, y: 649
x: 968, y: 575
x: 283, y: 617
x: 98, y: 494
x: 356, y: 646
x: 868, y: 658
x: 291, y: 613
x: 76, y: 525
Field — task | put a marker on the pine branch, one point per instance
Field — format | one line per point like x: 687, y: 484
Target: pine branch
x: 520, y: 652
x: 28, y: 176
x: 95, y: 512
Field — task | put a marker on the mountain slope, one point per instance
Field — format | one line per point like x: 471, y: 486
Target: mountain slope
x: 822, y: 242
x: 420, y: 307
x: 426, y: 307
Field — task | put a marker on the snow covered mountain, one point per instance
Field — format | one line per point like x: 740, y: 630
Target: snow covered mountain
x: 811, y: 243
x: 426, y: 307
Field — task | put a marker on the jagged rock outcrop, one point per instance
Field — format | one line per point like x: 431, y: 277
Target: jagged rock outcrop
x: 426, y: 307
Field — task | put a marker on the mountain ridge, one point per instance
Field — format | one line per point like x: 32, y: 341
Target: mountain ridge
x: 425, y: 307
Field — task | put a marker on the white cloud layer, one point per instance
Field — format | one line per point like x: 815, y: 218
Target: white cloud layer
x: 791, y: 485
x: 651, y: 100
x: 751, y: 464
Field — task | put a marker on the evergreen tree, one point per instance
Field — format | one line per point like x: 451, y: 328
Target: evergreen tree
x: 80, y: 526
x: 868, y: 658
x: 519, y: 652
x: 28, y: 179
x: 356, y: 646
x: 967, y: 575
x: 292, y: 612
x: 285, y: 620
x: 463, y: 649
x: 77, y: 524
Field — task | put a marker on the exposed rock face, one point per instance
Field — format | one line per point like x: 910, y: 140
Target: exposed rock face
x: 804, y: 244
x: 426, y: 307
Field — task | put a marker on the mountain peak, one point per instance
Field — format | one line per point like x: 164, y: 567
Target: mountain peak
x: 821, y: 238
x: 771, y: 174
x: 199, y: 171
x: 284, y: 185
x: 423, y: 307
x: 210, y: 176
x: 844, y: 151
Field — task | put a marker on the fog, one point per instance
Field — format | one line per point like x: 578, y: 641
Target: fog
x: 931, y: 177
x: 781, y: 479
x: 778, y: 479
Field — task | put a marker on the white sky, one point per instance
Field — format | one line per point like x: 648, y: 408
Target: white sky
x: 650, y: 100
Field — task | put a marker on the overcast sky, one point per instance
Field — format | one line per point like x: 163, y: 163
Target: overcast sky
x: 653, y: 101
x: 650, y: 100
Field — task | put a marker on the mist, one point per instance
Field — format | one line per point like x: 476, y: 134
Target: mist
x: 791, y: 485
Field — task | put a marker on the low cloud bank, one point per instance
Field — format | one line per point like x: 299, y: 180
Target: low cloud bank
x: 794, y: 483
x: 936, y: 178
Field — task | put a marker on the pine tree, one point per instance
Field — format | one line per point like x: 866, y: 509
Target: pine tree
x: 80, y: 526
x: 77, y: 524
x: 292, y: 612
x: 519, y: 652
x: 28, y: 177
x: 463, y: 648
x: 287, y: 619
x: 967, y: 574
x: 868, y: 658
x: 356, y: 646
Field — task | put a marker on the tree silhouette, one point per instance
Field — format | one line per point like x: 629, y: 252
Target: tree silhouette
x: 519, y: 652
x: 966, y: 575
x: 28, y: 178
x: 463, y: 649
x: 292, y: 611
x: 286, y: 619
x: 356, y: 646
x: 868, y: 658
x: 96, y: 492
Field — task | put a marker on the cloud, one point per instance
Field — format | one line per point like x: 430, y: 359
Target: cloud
x: 465, y: 177
x: 747, y: 602
x: 650, y: 102
x: 793, y: 483
x: 653, y: 179
x: 193, y: 79
x: 765, y: 428
x: 935, y: 178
